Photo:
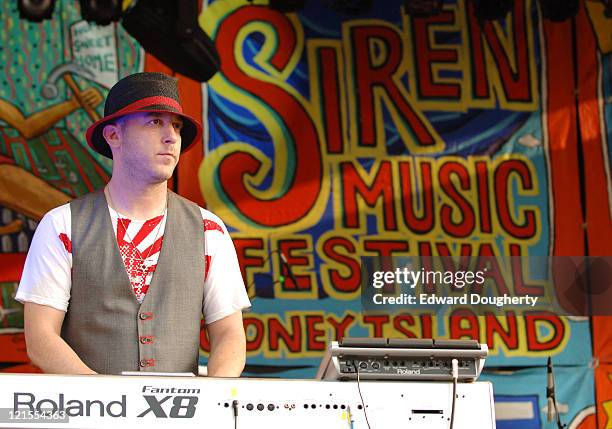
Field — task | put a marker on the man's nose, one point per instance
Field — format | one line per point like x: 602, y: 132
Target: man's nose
x: 171, y: 134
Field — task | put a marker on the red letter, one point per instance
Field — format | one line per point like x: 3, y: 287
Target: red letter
x: 235, y: 168
x: 425, y: 56
x: 465, y: 227
x: 377, y: 323
x: 482, y: 180
x: 369, y: 76
x: 313, y: 340
x: 277, y: 331
x: 488, y: 262
x: 457, y: 330
x: 425, y: 223
x: 382, y: 186
x: 533, y: 342
x: 426, y: 326
x: 503, y: 191
x: 352, y: 282
x: 385, y: 248
x: 253, y: 343
x: 404, y: 319
x: 341, y: 326
x: 330, y: 96
x: 493, y: 327
x: 514, y: 74
x: 520, y: 287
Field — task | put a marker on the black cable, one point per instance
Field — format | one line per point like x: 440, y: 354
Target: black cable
x: 365, y: 413
x: 267, y: 258
x: 455, y: 375
x: 452, y: 418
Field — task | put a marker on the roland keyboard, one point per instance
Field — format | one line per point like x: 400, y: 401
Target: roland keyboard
x: 99, y: 401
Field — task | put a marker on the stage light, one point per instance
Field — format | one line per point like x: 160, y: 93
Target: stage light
x: 287, y: 6
x: 558, y: 10
x: 423, y: 8
x: 102, y: 12
x: 169, y: 30
x: 350, y: 7
x: 608, y: 9
x: 35, y: 10
x: 489, y: 10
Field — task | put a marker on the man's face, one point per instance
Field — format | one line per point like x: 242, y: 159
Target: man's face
x: 149, y: 145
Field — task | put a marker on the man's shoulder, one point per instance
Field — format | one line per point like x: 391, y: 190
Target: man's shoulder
x: 58, y: 213
x: 212, y: 222
x: 56, y: 222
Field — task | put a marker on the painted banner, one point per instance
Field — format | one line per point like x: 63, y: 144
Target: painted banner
x: 331, y: 136
x: 94, y: 49
x: 44, y: 161
x: 334, y: 137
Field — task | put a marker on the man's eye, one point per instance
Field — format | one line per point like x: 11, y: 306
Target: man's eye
x: 178, y: 125
x: 155, y: 121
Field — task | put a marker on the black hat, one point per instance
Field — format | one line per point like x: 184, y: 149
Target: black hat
x: 137, y: 93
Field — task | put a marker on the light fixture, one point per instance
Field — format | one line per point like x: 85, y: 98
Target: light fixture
x: 169, y: 30
x: 558, y: 10
x: 608, y: 9
x: 350, y: 7
x: 102, y: 12
x: 423, y: 8
x: 490, y: 10
x: 287, y: 6
x: 35, y: 10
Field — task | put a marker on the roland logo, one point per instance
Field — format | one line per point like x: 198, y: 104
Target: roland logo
x: 72, y: 407
x: 401, y: 371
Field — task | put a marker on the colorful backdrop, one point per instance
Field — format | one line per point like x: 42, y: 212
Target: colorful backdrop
x: 330, y: 137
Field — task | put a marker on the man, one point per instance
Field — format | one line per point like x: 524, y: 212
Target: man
x: 118, y: 280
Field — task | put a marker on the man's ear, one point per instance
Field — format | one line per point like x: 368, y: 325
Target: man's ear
x: 112, y: 134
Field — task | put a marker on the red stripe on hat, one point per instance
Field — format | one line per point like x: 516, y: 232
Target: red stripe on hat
x: 148, y: 102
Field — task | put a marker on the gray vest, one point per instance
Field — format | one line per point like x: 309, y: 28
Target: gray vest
x: 105, y: 324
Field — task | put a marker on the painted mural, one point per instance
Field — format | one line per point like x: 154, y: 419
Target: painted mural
x: 330, y: 137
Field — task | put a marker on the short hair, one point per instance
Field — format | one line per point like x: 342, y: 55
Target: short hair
x: 120, y: 121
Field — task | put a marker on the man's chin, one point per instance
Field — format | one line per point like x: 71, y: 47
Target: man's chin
x: 162, y: 176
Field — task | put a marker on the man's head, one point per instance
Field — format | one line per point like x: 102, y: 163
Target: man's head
x: 138, y: 97
x: 145, y: 146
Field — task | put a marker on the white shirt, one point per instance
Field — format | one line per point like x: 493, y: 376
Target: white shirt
x: 46, y: 278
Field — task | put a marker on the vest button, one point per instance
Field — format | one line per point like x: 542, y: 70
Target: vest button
x: 145, y: 340
x: 144, y: 316
x: 143, y: 363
